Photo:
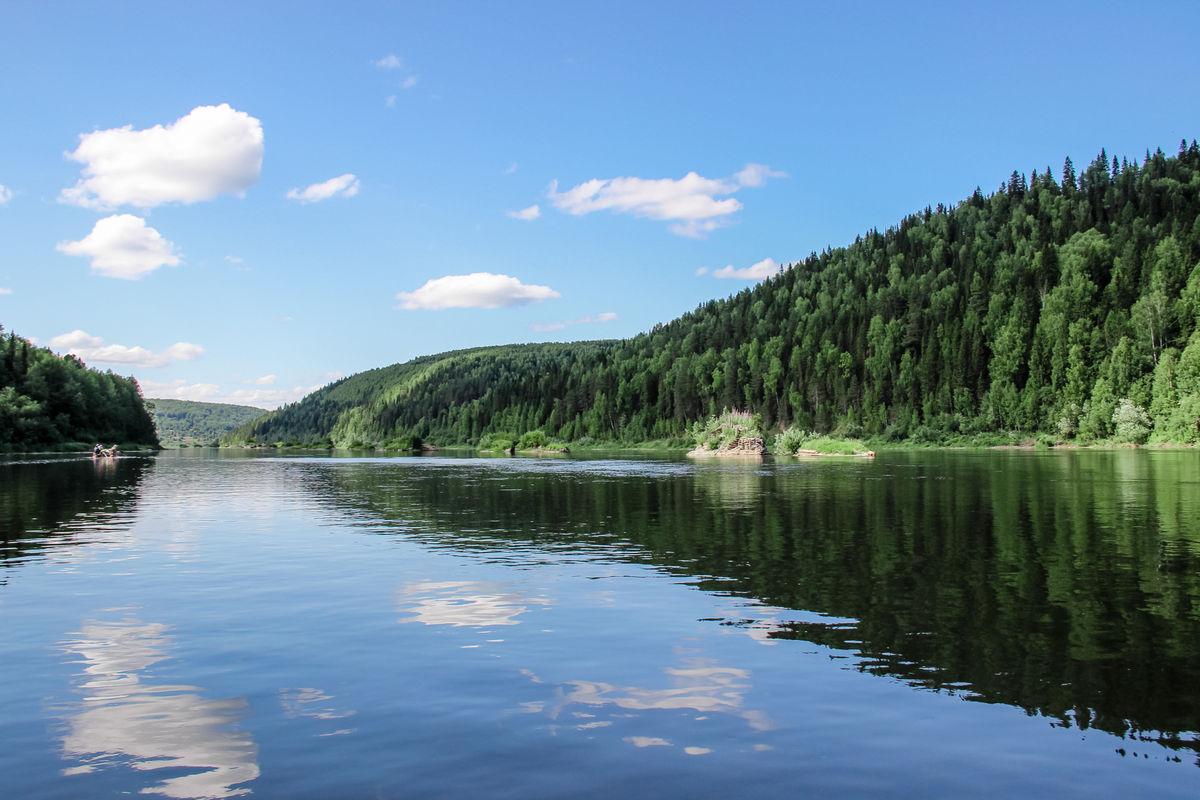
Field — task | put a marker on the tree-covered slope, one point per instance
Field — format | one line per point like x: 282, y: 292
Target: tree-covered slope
x: 1067, y: 306
x: 48, y: 400
x: 193, y: 421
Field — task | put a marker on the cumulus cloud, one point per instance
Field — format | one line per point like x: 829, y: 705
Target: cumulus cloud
x: 755, y: 272
x: 5, y: 291
x: 265, y: 380
x: 695, y: 205
x: 477, y: 290
x: 390, y: 61
x: 212, y: 150
x: 92, y: 349
x: 409, y: 82
x: 526, y: 214
x: 5, y: 194
x: 341, y: 186
x: 123, y: 246
x: 213, y: 393
x: 607, y: 316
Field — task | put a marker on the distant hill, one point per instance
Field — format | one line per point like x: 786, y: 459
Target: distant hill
x: 189, y: 421
x: 48, y: 401
x: 1064, y: 307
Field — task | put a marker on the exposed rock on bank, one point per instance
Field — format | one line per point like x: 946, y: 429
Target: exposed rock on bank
x: 742, y: 447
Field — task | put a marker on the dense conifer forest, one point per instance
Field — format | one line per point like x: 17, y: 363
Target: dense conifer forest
x: 1062, y: 305
x: 52, y: 401
x: 192, y: 421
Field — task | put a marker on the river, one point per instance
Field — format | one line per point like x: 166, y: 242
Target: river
x: 203, y: 624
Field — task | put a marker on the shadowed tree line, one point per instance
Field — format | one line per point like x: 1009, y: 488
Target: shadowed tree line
x: 48, y: 400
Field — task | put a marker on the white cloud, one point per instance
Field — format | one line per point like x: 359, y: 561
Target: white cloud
x: 123, y: 246
x: 390, y: 61
x: 341, y: 186
x: 93, y: 349
x: 694, y: 204
x: 607, y: 316
x: 265, y: 380
x: 5, y: 194
x: 477, y: 290
x: 390, y: 102
x: 212, y: 150
x: 526, y: 214
x: 756, y: 175
x: 511, y: 168
x: 755, y: 272
x: 5, y: 291
x: 212, y: 393
x: 234, y: 259
x: 409, y: 82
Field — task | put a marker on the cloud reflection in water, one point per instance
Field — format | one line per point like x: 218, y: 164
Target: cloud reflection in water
x: 158, y: 726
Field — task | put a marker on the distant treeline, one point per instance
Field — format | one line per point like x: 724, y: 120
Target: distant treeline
x: 193, y: 421
x: 1064, y: 307
x: 47, y: 400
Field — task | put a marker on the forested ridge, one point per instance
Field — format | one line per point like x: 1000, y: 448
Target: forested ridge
x: 193, y: 421
x: 47, y: 400
x: 1062, y: 306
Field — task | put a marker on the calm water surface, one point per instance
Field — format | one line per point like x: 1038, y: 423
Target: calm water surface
x: 945, y: 624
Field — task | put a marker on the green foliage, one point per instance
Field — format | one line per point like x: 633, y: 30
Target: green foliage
x: 730, y: 426
x: 787, y: 442
x: 498, y: 442
x: 49, y: 401
x: 532, y: 440
x: 194, y: 422
x: 1032, y: 309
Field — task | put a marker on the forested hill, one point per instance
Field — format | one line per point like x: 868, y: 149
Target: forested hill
x: 195, y: 422
x: 53, y: 401
x: 1063, y: 305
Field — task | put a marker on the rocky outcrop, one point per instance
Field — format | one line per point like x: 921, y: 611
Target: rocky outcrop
x: 745, y: 447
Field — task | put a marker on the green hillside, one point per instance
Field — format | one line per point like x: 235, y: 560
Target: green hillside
x: 1063, y: 306
x: 49, y: 401
x: 179, y: 421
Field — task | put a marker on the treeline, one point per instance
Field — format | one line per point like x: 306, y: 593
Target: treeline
x: 193, y: 421
x: 1066, y: 307
x: 47, y: 400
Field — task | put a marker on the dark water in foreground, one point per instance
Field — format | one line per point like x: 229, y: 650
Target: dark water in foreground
x: 939, y: 624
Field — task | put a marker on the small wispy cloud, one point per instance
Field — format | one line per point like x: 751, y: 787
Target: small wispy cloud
x: 390, y: 101
x: 5, y: 194
x: 526, y: 214
x: 755, y: 272
x: 390, y: 61
x: 477, y: 290
x: 607, y: 316
x: 342, y: 186
x: 213, y: 393
x: 409, y: 82
x: 511, y: 168
x: 5, y: 291
x: 694, y: 205
x: 265, y: 380
x: 93, y: 349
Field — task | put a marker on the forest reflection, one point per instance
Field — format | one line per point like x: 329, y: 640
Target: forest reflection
x: 1067, y: 584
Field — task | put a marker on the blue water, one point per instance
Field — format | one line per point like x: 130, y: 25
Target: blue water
x: 193, y: 625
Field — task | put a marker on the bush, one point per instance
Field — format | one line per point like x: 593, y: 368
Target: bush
x: 497, y: 441
x: 532, y: 440
x: 731, y: 425
x: 789, y: 441
x: 1131, y: 424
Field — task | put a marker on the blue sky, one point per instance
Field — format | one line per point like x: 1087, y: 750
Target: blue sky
x: 238, y: 202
